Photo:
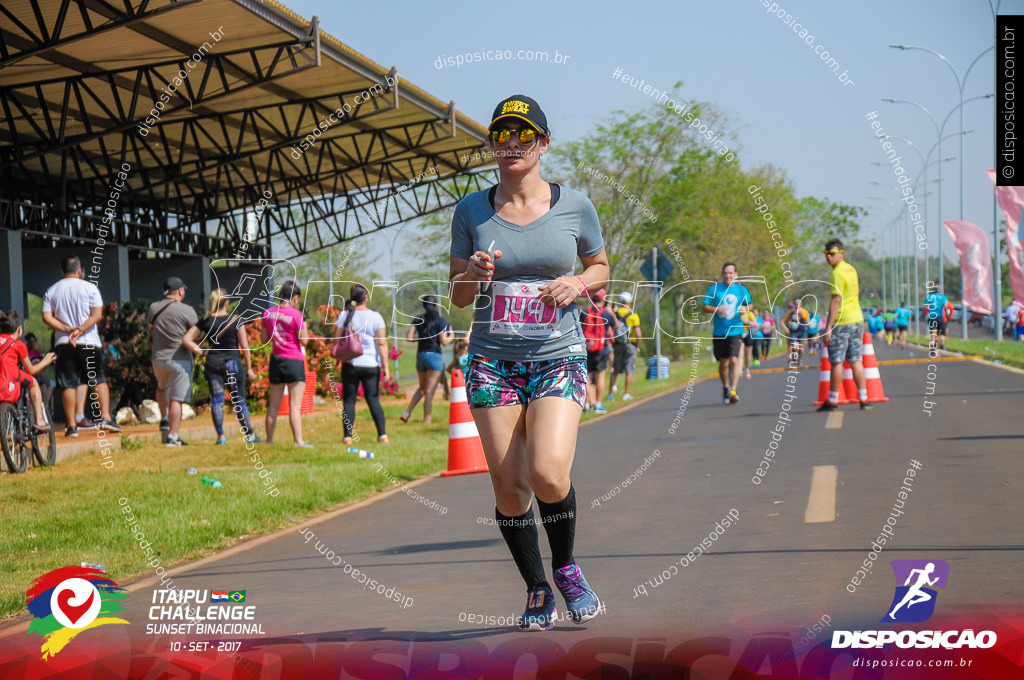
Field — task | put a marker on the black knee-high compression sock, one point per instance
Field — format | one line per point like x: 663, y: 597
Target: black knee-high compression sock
x: 520, y: 534
x: 560, y: 524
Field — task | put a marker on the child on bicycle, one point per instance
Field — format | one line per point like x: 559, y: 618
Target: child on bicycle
x: 14, y: 353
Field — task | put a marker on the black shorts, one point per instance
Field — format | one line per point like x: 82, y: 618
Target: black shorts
x: 727, y: 348
x: 901, y: 329
x: 80, y: 365
x: 286, y: 371
x: 597, y: 362
x: 937, y: 324
x: 748, y: 341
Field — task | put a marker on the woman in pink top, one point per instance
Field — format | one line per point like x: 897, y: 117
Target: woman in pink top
x: 285, y: 327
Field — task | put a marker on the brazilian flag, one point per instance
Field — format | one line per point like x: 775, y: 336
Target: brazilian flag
x: 237, y: 596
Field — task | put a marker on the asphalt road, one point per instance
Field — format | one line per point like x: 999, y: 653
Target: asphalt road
x: 801, y: 533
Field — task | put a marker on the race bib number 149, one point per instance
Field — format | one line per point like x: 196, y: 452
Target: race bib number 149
x: 518, y: 311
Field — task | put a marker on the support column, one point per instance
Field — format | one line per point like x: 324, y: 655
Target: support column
x: 12, y: 290
x: 124, y: 293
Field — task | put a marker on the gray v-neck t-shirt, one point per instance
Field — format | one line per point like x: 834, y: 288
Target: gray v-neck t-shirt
x: 509, y: 321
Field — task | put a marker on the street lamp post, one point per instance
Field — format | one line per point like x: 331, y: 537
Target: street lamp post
x: 960, y: 82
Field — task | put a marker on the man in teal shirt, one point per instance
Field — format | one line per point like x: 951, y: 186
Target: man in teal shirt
x: 728, y: 302
x: 902, y: 323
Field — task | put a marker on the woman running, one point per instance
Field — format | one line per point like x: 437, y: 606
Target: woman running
x: 527, y: 372
x: 227, y: 347
x: 431, y: 333
x: 286, y: 328
x: 366, y: 368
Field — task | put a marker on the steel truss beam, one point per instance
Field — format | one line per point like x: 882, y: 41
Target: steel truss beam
x: 46, y: 38
x: 135, y: 232
x: 180, y: 182
x: 220, y: 77
x: 328, y: 220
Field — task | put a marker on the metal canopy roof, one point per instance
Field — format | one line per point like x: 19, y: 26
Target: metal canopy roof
x: 80, y: 78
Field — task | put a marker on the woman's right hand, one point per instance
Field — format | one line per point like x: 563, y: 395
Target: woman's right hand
x: 385, y: 374
x: 480, y: 267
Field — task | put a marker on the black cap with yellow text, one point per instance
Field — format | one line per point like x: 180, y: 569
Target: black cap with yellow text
x: 524, y: 108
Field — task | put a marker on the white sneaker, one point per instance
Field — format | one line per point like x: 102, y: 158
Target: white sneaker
x: 627, y: 396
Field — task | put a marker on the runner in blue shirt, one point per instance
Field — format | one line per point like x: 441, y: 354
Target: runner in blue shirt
x: 812, y: 333
x: 727, y: 301
x: 902, y: 323
x: 935, y: 304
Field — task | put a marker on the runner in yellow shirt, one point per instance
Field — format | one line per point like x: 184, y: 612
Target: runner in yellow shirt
x: 844, y: 332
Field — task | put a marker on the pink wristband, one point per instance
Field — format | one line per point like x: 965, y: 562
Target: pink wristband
x: 584, y: 284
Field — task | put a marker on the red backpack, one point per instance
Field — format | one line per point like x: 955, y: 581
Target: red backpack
x: 594, y: 329
x: 10, y: 386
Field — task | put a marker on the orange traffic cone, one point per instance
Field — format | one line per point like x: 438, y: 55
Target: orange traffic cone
x: 308, y: 395
x: 286, y: 408
x: 465, y: 450
x: 825, y: 380
x: 872, y: 376
x: 849, y: 384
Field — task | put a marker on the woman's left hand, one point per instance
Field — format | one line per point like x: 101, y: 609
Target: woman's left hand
x: 558, y: 293
x: 251, y: 374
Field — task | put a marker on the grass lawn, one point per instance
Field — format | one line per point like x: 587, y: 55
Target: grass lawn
x: 72, y: 513
x: 1007, y: 352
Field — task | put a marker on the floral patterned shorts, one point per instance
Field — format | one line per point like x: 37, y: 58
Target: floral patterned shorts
x: 495, y: 382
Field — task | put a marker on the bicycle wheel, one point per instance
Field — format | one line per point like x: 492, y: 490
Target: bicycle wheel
x: 11, y: 439
x: 44, y: 444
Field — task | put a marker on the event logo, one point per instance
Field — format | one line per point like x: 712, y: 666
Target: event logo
x: 915, y: 602
x: 70, y: 600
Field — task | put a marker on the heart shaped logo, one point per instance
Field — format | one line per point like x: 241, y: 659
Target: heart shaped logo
x: 75, y: 603
x: 73, y: 612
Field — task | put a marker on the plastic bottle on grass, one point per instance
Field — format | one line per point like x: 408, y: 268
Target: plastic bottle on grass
x: 210, y: 481
x: 362, y: 453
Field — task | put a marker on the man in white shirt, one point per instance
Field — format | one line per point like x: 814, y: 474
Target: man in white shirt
x: 72, y: 307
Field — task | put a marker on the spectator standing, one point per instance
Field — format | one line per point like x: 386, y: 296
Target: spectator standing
x: 625, y: 345
x: 228, y: 350
x: 169, y: 320
x: 430, y: 332
x: 285, y: 328
x: 367, y: 368
x: 1010, y: 319
x: 844, y: 330
x: 598, y: 329
x: 768, y: 331
x: 72, y: 307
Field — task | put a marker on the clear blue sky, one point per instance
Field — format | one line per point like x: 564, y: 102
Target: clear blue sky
x: 789, y: 108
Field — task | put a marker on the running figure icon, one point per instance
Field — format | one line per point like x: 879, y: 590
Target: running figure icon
x: 915, y: 594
